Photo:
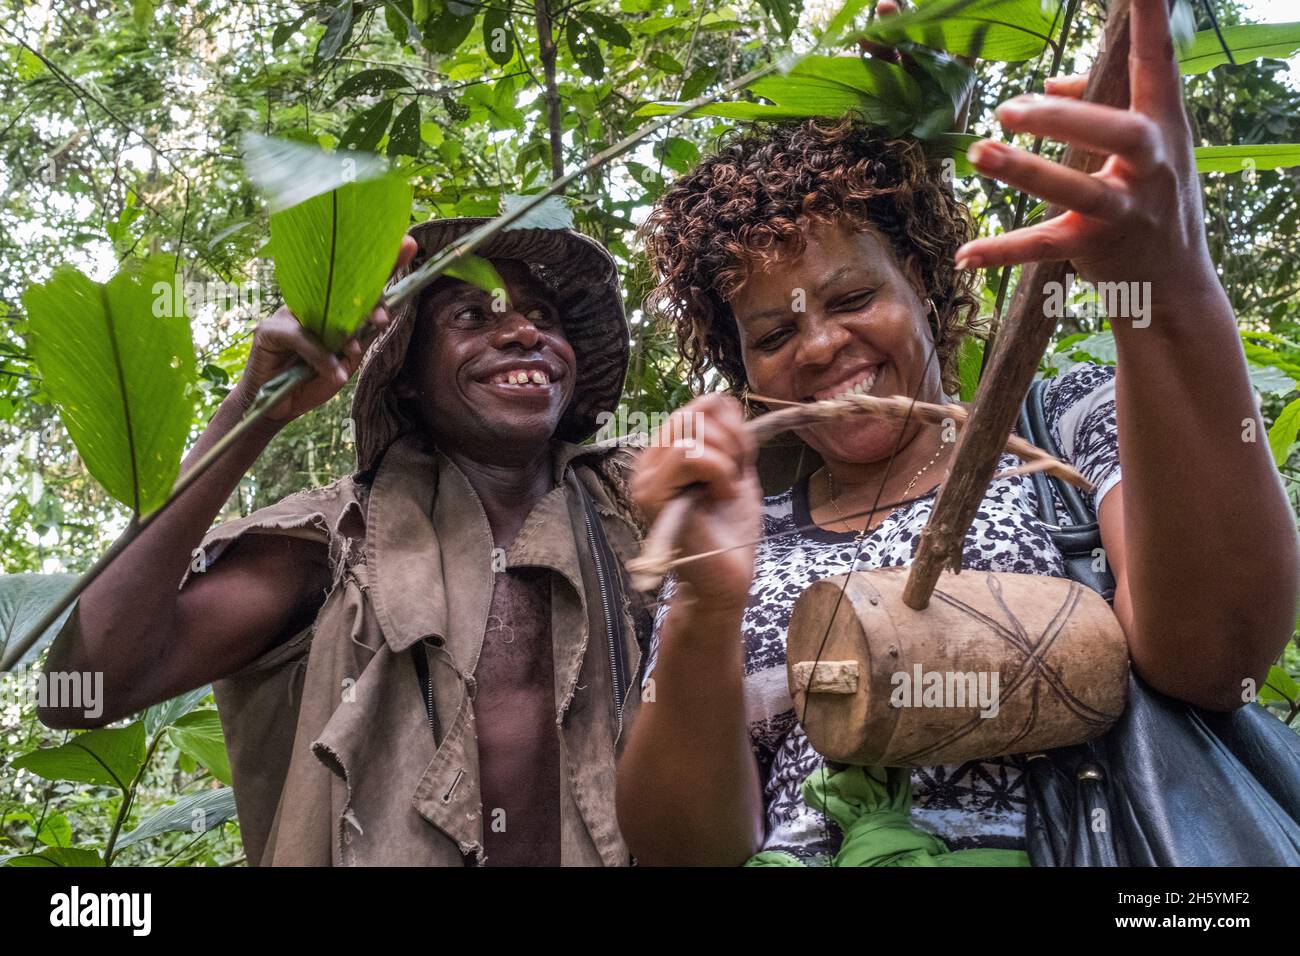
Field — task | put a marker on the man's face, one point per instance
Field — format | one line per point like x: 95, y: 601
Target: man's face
x: 491, y: 379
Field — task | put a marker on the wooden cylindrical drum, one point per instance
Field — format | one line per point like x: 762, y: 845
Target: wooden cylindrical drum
x: 997, y: 664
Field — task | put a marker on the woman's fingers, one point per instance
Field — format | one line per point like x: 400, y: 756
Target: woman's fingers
x: 1132, y: 137
x: 1054, y: 240
x: 705, y: 442
x: 1071, y: 86
x: 1049, y: 181
x: 1156, y: 87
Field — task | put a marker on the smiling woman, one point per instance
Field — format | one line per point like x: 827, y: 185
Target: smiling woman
x: 811, y: 258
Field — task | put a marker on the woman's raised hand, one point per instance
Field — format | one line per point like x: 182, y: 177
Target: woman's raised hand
x: 1139, y: 217
x: 705, y: 446
x: 280, y: 341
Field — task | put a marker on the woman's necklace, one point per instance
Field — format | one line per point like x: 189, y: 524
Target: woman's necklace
x: 830, y: 484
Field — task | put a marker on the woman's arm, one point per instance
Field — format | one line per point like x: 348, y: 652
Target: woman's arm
x: 150, y: 640
x: 688, y: 787
x: 1199, y: 533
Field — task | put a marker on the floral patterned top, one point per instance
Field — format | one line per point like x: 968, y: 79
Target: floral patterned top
x: 980, y: 803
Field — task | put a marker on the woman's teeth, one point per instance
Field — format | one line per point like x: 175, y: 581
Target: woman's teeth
x: 862, y: 387
x: 521, y: 377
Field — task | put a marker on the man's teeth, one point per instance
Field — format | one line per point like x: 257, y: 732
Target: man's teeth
x: 522, y: 377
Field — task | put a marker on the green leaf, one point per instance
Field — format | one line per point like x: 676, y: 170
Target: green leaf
x: 662, y: 61
x: 55, y: 830
x: 199, y: 734
x: 195, y: 813
x: 698, y: 81
x: 283, y: 31
x: 551, y: 213
x: 970, y: 357
x: 1270, y: 380
x: 784, y: 13
x: 1282, y: 435
x: 404, y: 139
x: 108, y: 757
x: 476, y: 271
x: 678, y: 154
x: 1005, y: 30
x: 23, y: 599
x: 447, y: 31
x: 584, y: 49
x: 399, y: 15
x: 290, y: 173
x: 334, y: 252
x: 368, y: 128
x: 58, y: 856
x: 882, y: 92
x: 338, y: 29
x: 1239, y: 159
x: 142, y: 13
x: 370, y: 82
x: 1247, y: 41
x: 1279, y: 687
x: 607, y: 28
x: 119, y: 362
x: 170, y: 711
x: 842, y: 22
x: 498, y: 38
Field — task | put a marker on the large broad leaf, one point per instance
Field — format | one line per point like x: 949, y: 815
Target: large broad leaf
x: 824, y: 86
x: 119, y: 362
x: 195, y: 813
x: 109, y: 756
x: 1240, y: 159
x: 1008, y: 30
x: 23, y: 599
x: 289, y: 173
x: 1247, y: 41
x: 334, y: 252
x: 199, y: 735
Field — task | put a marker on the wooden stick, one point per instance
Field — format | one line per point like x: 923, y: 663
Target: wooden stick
x: 659, y: 552
x: 1021, y: 341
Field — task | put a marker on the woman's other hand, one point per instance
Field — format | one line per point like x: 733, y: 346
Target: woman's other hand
x: 1139, y: 217
x: 704, y: 447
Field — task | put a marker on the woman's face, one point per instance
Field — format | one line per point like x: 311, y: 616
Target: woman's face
x: 843, y: 315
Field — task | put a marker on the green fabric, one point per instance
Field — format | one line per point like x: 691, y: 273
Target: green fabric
x: 873, y: 806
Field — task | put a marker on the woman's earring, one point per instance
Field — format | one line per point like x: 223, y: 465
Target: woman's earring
x: 937, y: 327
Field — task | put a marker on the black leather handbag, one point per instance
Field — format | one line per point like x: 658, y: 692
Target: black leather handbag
x: 1169, y: 784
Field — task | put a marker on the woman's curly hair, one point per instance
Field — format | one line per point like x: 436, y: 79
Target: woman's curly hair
x: 749, y: 202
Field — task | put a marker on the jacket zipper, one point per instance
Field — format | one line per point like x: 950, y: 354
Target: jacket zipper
x: 616, y: 672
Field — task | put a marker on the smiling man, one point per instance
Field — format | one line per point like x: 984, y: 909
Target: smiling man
x: 425, y: 662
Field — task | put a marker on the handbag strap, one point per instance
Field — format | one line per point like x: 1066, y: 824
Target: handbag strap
x: 609, y: 582
x: 1079, y: 541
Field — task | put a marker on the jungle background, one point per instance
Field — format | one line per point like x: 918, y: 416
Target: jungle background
x: 120, y: 125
